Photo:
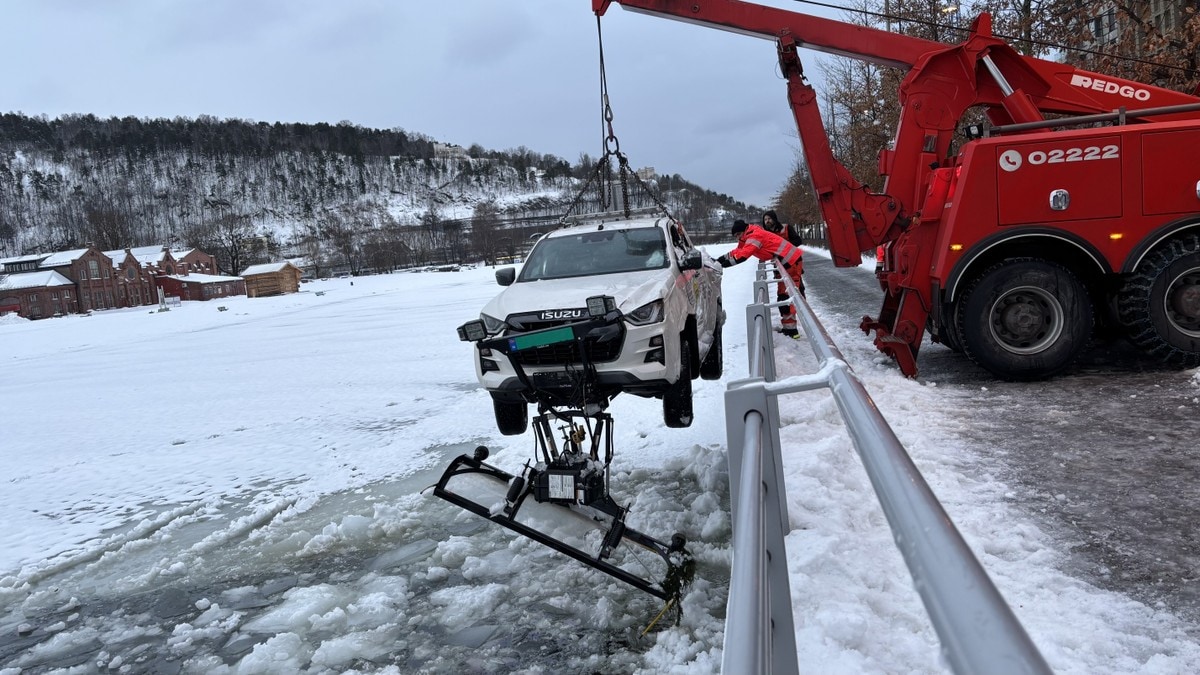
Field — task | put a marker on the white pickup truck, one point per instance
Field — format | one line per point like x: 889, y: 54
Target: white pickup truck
x: 644, y: 306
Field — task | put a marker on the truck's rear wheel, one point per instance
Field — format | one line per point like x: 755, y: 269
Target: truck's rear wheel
x: 512, y: 417
x: 1025, y: 319
x: 677, y: 399
x: 1160, y: 303
x: 948, y: 331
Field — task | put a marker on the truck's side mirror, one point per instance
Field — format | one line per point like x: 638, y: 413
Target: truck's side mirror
x: 506, y: 276
x: 692, y: 260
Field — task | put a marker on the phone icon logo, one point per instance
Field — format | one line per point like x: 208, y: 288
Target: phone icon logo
x: 1010, y: 160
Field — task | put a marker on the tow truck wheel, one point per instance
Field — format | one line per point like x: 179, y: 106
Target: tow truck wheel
x: 949, y: 329
x: 1160, y: 303
x: 713, y: 363
x: 677, y: 399
x: 512, y: 417
x: 1025, y: 319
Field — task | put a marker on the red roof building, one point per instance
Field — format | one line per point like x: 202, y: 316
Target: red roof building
x: 36, y: 295
x: 201, y: 286
x: 81, y: 280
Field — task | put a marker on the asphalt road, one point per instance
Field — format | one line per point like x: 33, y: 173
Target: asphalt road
x: 1110, y: 450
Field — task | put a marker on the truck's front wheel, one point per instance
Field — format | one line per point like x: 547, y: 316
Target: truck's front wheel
x: 677, y: 399
x: 512, y: 417
x: 713, y: 364
x: 1161, y: 303
x: 1025, y: 319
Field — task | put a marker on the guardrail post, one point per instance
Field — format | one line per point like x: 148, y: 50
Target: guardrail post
x: 758, y: 536
x: 736, y: 409
x: 759, y: 533
x: 762, y: 361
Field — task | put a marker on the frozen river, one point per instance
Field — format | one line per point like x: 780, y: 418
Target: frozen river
x: 248, y: 495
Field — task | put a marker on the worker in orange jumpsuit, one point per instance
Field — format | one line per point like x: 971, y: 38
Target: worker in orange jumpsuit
x: 770, y: 223
x: 754, y: 241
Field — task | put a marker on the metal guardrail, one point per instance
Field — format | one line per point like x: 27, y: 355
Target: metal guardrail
x: 978, y: 631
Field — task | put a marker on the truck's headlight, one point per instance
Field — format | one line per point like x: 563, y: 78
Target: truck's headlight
x: 492, y: 324
x: 651, y: 312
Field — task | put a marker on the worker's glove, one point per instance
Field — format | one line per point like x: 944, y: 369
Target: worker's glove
x: 726, y: 261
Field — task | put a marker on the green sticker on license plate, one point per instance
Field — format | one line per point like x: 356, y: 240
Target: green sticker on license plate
x: 541, y: 339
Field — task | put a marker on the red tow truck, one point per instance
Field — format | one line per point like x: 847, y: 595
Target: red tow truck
x: 1077, y: 205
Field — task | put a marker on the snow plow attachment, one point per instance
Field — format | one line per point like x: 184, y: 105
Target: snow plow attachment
x: 564, y: 504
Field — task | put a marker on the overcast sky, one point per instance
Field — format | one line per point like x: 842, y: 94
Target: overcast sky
x: 703, y: 103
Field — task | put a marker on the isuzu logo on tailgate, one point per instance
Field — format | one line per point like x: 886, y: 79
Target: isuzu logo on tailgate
x: 559, y: 314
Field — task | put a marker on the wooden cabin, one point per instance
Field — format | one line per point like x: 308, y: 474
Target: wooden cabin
x: 271, y: 279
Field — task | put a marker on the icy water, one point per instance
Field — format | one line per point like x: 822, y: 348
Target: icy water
x: 383, y: 576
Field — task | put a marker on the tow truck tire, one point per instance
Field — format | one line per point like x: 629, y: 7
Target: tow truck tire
x: 949, y: 328
x: 1160, y: 303
x: 512, y: 417
x: 1025, y: 319
x: 677, y: 399
x: 714, y: 363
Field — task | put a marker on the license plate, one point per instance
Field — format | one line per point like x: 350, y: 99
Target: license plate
x: 541, y: 339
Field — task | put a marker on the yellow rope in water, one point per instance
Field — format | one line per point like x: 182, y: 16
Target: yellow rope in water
x: 660, y: 615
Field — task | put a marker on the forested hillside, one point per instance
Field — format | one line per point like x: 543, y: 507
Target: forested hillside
x: 335, y: 194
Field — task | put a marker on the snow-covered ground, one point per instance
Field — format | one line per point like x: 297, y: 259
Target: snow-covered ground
x: 239, y: 490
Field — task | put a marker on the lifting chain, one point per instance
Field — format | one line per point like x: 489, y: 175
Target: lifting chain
x: 603, y: 174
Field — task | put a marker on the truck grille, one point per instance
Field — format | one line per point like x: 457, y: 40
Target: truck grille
x: 562, y: 354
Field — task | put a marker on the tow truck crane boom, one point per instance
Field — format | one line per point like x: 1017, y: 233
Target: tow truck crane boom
x: 934, y: 253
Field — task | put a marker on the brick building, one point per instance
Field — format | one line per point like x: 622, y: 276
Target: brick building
x: 201, y: 286
x: 193, y: 261
x: 86, y: 279
x: 35, y: 295
x: 137, y: 285
x: 155, y: 259
x: 95, y: 277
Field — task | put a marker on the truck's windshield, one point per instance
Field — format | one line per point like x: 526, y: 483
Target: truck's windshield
x: 597, y: 252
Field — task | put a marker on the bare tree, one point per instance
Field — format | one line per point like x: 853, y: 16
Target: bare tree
x: 106, y: 227
x: 1128, y: 39
x: 341, y: 234
x: 797, y: 203
x: 260, y: 249
x: 860, y: 116
x: 385, y: 250
x: 485, y: 235
x: 453, y: 241
x: 432, y: 232
x: 316, y: 252
x: 227, y: 238
x: 8, y: 234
